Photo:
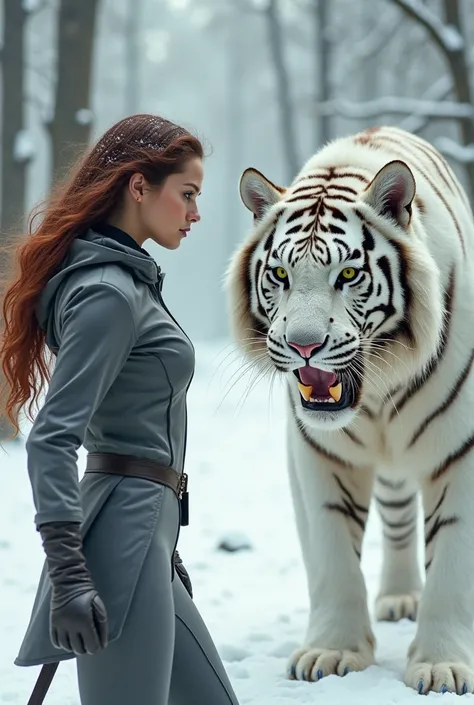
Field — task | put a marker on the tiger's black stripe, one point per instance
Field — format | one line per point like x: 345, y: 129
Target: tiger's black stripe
x: 447, y: 402
x: 323, y: 451
x: 396, y: 503
x: 400, y: 542
x: 437, y: 526
x: 350, y: 497
x: 257, y: 325
x: 419, y: 382
x: 319, y: 449
x: 408, y: 519
x: 346, y: 510
x: 452, y: 458
x: 438, y: 505
x: 365, y: 411
x: 348, y: 507
x: 390, y: 484
x: 337, y: 214
x: 344, y: 189
x: 355, y: 439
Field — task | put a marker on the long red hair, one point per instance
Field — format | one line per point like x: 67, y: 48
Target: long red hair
x: 147, y: 144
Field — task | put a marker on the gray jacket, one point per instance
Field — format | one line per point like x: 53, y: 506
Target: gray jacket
x: 122, y: 369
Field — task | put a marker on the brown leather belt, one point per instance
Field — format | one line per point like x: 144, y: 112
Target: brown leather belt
x: 128, y: 466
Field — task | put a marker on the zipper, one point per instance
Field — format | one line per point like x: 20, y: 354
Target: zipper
x: 157, y: 288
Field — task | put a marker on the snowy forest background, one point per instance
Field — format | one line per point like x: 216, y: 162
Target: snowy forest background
x: 264, y: 82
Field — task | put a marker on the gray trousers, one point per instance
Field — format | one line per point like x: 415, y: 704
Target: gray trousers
x: 164, y: 655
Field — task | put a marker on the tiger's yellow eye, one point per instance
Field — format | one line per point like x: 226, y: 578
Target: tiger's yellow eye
x: 281, y: 273
x: 349, y: 273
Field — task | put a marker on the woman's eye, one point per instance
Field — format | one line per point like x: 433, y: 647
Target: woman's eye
x: 188, y: 195
x: 280, y: 273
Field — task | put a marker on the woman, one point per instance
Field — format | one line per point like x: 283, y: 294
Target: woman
x: 90, y: 295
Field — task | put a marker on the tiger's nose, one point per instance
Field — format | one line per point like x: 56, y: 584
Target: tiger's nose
x: 305, y: 350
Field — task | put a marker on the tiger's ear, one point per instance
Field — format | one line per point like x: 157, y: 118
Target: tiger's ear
x: 258, y: 193
x: 392, y: 191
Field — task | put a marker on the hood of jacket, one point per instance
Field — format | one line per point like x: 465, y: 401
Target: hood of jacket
x: 90, y: 250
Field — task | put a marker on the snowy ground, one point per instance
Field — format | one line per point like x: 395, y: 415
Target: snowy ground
x: 254, y: 602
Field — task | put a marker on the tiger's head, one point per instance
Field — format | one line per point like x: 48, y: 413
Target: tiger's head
x: 336, y: 286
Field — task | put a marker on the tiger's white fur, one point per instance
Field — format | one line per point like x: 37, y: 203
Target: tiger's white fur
x: 411, y: 425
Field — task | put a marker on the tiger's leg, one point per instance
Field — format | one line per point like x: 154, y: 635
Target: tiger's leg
x: 441, y: 657
x: 401, y: 580
x: 331, y: 506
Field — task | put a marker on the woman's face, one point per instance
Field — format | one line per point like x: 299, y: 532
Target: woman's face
x: 166, y: 214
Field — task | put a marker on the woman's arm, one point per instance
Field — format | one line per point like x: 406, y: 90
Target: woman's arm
x: 97, y: 332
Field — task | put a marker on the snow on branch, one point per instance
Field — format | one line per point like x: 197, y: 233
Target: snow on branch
x: 395, y: 105
x: 447, y: 37
x: 464, y: 154
x: 33, y: 7
x: 377, y: 40
x: 438, y: 91
x: 24, y: 148
x: 84, y: 116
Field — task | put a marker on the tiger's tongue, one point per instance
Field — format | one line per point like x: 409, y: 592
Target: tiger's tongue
x: 319, y: 380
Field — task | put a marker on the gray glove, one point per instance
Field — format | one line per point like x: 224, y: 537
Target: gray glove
x: 78, y: 615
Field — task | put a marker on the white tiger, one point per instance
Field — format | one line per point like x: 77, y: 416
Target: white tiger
x: 358, y: 283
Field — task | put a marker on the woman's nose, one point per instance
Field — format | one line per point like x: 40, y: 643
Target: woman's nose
x: 194, y: 216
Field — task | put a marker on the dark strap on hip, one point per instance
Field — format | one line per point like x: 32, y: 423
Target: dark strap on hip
x: 42, y: 684
x: 130, y: 466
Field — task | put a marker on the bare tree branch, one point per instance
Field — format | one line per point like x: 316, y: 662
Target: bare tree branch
x: 449, y: 37
x: 376, y: 41
x: 446, y: 37
x: 463, y: 154
x: 438, y: 91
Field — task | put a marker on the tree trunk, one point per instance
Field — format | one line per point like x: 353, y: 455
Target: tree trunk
x: 71, y: 126
x: 460, y: 72
x: 322, y: 55
x: 456, y: 59
x: 133, y: 56
x: 288, y: 131
x: 14, y: 146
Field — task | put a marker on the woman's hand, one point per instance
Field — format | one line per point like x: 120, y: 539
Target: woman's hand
x: 78, y: 615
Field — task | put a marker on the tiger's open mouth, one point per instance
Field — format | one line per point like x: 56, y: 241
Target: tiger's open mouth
x: 323, y: 391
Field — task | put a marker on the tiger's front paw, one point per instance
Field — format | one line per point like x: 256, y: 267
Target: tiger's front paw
x: 310, y: 663
x: 443, y: 677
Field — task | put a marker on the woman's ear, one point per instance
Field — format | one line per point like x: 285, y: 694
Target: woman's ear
x: 136, y: 186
